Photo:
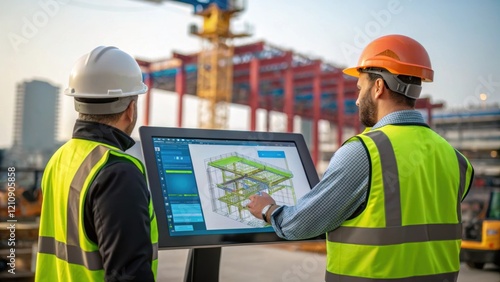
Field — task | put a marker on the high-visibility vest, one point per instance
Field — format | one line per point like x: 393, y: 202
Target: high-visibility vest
x: 65, y: 253
x: 410, y: 228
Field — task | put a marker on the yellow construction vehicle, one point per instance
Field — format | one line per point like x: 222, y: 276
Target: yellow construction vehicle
x: 481, y: 233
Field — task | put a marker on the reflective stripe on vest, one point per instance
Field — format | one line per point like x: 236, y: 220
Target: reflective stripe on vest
x: 462, y: 162
x: 75, y: 254
x: 393, y: 236
x: 390, y: 177
x: 394, y: 233
x: 71, y: 251
x: 442, y: 277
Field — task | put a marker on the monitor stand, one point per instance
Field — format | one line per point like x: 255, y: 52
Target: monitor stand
x: 203, y: 265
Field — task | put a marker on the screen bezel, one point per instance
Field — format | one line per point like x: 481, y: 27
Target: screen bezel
x: 165, y: 241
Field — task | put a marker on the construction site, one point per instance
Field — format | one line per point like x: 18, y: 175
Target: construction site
x: 263, y: 77
x: 259, y: 76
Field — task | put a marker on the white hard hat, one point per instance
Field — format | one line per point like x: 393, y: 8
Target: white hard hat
x: 102, y: 78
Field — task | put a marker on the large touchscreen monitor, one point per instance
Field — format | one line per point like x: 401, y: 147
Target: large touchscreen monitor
x: 201, y: 179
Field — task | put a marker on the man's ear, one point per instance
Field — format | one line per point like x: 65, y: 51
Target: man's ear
x: 379, y: 87
x: 129, y: 112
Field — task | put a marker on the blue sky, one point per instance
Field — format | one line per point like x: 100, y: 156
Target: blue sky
x: 41, y: 39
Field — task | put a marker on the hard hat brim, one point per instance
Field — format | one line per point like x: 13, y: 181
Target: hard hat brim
x: 112, y: 93
x: 351, y: 71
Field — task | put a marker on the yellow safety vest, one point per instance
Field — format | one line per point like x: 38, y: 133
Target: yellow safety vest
x: 410, y: 229
x: 64, y: 251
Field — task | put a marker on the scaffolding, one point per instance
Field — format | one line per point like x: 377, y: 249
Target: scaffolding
x: 234, y: 177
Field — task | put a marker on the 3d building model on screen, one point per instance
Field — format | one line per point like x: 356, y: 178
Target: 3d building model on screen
x: 234, y: 177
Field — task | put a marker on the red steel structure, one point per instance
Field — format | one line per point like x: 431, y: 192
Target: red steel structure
x: 270, y: 78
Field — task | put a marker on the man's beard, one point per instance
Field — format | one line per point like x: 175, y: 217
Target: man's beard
x: 368, y: 110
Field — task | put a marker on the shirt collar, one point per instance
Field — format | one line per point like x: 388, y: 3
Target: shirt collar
x: 399, y: 117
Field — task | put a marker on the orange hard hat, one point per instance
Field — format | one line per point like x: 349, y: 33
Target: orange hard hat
x: 398, y: 54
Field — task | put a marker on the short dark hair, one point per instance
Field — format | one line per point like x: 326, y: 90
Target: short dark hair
x: 400, y: 99
x: 106, y: 119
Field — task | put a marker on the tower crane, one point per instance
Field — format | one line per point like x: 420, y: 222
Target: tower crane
x: 215, y: 60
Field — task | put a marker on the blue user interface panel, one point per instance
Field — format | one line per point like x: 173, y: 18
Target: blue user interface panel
x: 205, y: 183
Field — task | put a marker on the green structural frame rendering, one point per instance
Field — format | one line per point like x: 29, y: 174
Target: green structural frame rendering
x: 234, y: 177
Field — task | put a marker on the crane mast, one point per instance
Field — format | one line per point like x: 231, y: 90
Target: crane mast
x: 215, y: 66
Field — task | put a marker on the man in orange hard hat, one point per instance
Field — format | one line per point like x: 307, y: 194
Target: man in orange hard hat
x: 390, y: 199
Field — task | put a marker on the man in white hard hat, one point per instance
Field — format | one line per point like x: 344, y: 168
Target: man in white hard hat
x: 97, y: 221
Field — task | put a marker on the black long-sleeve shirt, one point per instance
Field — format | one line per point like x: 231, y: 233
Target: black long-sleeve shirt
x: 116, y: 215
